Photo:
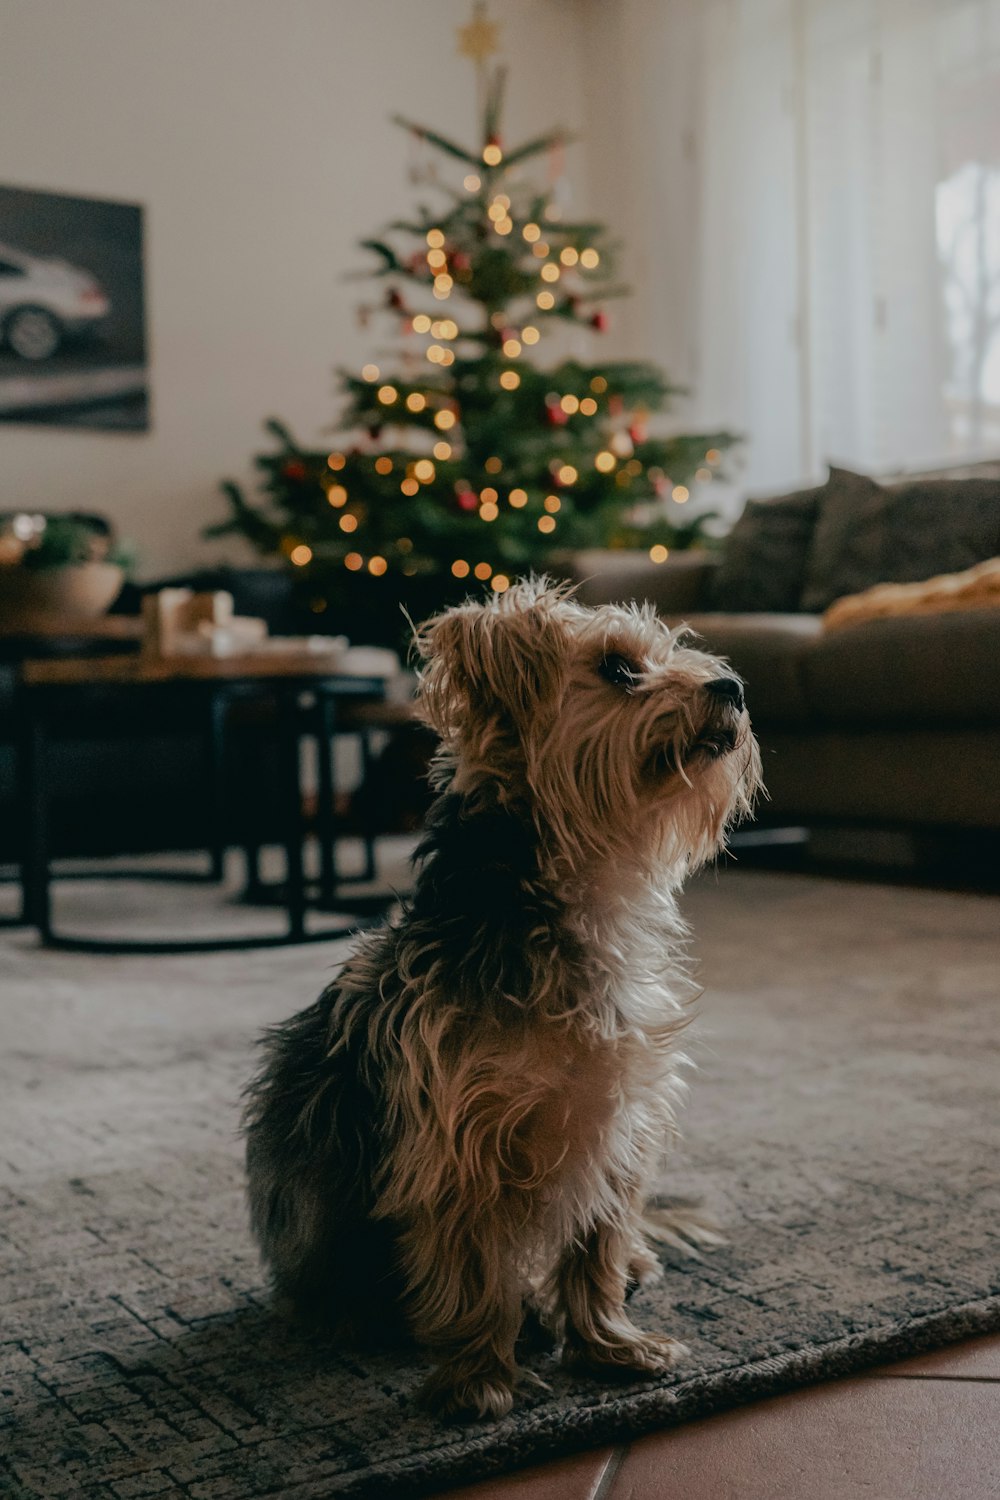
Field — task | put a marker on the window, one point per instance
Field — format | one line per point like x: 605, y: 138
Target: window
x: 850, y: 227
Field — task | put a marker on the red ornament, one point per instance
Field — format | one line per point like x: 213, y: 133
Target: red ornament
x: 555, y: 416
x: 295, y: 469
x: 466, y: 499
x: 600, y: 322
x: 638, y: 432
x: 460, y: 262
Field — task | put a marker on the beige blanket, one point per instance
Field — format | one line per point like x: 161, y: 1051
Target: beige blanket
x: 975, y: 588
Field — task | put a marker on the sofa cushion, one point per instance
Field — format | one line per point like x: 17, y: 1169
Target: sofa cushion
x: 908, y: 670
x: 764, y: 558
x: 867, y: 534
x: 767, y: 652
x: 612, y: 576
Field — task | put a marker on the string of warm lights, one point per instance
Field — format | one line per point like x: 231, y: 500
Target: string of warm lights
x: 461, y: 429
x: 556, y: 258
x: 423, y: 471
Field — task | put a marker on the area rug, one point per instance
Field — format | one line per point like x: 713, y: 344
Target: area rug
x: 844, y: 1127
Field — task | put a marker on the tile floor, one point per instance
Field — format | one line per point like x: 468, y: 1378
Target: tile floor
x: 925, y: 1429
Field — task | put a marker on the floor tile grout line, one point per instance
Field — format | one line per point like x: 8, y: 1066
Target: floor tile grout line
x: 611, y: 1471
x: 920, y: 1375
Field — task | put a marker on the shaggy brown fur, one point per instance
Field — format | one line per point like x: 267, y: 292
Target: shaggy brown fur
x: 472, y: 1116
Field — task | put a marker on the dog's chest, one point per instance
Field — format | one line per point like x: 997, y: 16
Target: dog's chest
x: 599, y: 1116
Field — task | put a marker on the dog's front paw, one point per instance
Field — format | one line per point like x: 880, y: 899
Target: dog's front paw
x: 685, y: 1227
x: 643, y: 1354
x: 459, y: 1394
x: 644, y: 1268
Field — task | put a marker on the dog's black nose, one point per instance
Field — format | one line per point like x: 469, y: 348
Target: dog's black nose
x: 729, y: 689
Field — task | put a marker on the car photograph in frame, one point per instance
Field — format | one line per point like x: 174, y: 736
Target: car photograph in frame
x: 72, y: 312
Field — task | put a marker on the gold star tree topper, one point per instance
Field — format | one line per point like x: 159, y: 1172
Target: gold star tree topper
x: 481, y: 38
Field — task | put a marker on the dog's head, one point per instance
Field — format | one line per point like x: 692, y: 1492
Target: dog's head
x: 615, y: 734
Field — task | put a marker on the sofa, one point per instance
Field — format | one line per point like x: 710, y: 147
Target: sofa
x: 893, y: 722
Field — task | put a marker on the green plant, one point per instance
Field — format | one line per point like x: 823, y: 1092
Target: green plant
x: 66, y: 542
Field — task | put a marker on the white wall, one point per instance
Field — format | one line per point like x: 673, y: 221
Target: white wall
x: 256, y: 133
x: 642, y: 64
x: 639, y: 65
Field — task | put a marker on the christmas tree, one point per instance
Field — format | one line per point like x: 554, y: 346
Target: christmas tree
x: 468, y: 460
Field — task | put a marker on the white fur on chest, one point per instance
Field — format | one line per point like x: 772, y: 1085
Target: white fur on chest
x: 618, y: 1093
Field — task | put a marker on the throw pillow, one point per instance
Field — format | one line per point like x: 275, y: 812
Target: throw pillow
x: 764, y: 556
x: 866, y: 534
x: 976, y: 588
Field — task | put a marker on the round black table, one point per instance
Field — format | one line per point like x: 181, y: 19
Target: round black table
x: 304, y: 690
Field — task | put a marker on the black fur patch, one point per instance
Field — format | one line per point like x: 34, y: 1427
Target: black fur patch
x: 480, y: 902
x: 473, y: 862
x: 316, y: 1114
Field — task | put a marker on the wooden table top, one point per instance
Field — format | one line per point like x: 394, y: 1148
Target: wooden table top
x: 95, y: 670
x: 78, y: 627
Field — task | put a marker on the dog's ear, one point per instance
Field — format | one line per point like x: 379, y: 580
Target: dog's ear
x: 492, y: 659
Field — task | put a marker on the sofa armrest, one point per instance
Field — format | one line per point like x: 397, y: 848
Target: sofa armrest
x: 676, y: 587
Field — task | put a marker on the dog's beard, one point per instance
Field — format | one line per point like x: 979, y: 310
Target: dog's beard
x: 646, y: 796
x: 699, y: 779
x: 684, y: 745
x: 716, y: 742
x: 671, y: 759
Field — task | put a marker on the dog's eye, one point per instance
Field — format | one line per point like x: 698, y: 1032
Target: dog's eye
x: 618, y: 670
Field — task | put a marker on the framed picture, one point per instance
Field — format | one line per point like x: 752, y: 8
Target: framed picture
x: 72, y: 313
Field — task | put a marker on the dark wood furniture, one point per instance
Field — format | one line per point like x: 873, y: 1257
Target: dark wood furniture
x: 303, y: 690
x: 48, y: 627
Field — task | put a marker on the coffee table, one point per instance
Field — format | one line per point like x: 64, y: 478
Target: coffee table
x: 305, y: 690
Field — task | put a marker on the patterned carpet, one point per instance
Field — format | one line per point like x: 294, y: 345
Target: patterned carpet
x: 844, y: 1127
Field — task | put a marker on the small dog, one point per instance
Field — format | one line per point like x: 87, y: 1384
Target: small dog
x: 469, y: 1121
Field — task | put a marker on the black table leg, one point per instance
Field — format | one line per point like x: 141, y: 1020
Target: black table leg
x: 35, y: 869
x: 21, y: 825
x: 253, y: 887
x: 291, y: 779
x: 215, y: 755
x: 368, y: 810
x: 326, y: 815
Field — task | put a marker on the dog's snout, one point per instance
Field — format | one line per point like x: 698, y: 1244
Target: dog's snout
x: 729, y: 689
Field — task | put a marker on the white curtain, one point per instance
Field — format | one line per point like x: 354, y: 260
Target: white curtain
x: 848, y: 305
